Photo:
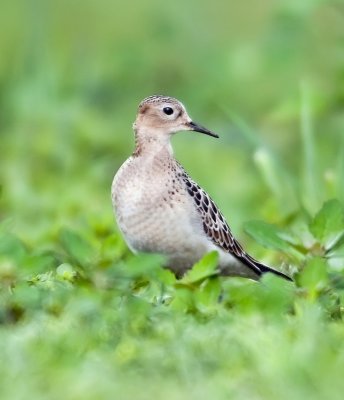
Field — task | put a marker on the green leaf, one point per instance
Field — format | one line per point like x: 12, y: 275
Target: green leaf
x: 275, y: 295
x: 76, y: 247
x: 203, y: 269
x: 335, y: 256
x: 270, y: 236
x: 328, y: 224
x: 144, y: 265
x: 12, y: 246
x: 113, y: 247
x: 165, y: 276
x: 314, y: 276
x: 182, y: 300
x: 207, y: 297
x: 66, y: 272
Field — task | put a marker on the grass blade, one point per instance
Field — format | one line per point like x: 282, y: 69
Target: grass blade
x: 309, y: 182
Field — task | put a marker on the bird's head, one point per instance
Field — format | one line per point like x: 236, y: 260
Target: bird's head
x: 162, y: 116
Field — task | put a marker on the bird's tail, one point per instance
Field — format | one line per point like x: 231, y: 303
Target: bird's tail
x: 264, y: 268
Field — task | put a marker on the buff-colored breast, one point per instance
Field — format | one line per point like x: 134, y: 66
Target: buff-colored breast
x: 157, y: 215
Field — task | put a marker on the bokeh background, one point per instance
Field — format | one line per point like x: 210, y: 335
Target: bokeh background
x: 267, y: 75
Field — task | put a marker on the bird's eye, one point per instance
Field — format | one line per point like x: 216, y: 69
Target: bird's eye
x: 168, y: 110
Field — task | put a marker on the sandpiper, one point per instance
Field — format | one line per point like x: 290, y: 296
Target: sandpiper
x: 160, y: 209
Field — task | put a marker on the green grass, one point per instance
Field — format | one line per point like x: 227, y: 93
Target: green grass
x: 83, y: 318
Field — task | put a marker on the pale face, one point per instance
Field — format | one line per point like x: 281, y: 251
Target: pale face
x: 165, y: 116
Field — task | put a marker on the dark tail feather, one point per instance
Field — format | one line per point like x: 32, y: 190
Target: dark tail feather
x: 262, y: 269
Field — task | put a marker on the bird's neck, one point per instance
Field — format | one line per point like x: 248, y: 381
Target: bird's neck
x: 150, y: 144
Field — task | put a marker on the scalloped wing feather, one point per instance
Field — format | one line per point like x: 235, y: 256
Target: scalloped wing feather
x: 217, y: 229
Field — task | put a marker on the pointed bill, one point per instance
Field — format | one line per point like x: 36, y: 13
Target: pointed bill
x: 193, y: 126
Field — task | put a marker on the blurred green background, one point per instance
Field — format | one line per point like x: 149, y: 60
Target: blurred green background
x: 267, y: 76
x: 72, y: 74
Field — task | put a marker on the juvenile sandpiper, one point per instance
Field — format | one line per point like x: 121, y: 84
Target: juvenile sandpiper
x: 160, y: 209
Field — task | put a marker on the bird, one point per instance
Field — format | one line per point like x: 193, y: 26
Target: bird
x: 160, y: 209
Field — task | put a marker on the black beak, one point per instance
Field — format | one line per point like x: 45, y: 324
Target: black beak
x: 199, y: 128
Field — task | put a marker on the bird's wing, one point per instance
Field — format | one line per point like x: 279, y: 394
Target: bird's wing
x: 217, y: 229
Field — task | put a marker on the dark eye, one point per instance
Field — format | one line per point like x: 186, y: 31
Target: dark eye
x: 168, y: 110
